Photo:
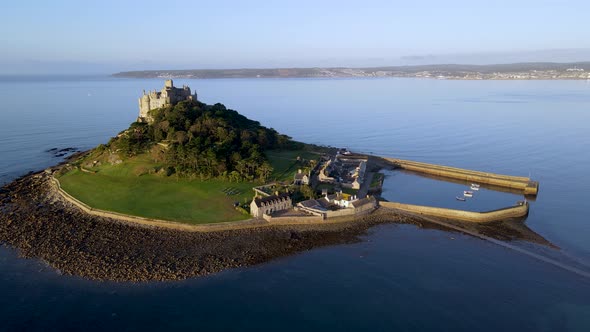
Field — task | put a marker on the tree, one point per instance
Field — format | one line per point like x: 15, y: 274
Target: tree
x: 264, y: 171
x: 307, y: 192
x: 205, y: 140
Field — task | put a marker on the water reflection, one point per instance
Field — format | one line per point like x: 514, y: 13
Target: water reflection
x: 425, y: 189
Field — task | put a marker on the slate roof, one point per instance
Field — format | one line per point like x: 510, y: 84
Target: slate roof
x: 271, y: 199
x: 313, y: 204
x: 363, y: 201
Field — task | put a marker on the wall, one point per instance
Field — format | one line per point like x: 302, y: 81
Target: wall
x: 515, y: 182
x: 310, y: 211
x: 214, y: 227
x: 478, y: 217
x: 155, y: 222
x: 293, y: 219
x: 340, y: 213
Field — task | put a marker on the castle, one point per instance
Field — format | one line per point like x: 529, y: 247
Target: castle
x: 169, y: 95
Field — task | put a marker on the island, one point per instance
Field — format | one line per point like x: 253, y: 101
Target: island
x: 191, y: 189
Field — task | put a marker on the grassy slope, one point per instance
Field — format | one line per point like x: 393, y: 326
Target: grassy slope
x: 284, y: 162
x: 121, y: 188
x: 118, y: 188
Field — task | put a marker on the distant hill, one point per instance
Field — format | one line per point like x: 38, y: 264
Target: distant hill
x: 457, y: 71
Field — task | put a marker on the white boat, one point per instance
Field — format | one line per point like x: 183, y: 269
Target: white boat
x: 462, y: 199
x: 474, y: 188
x: 468, y: 193
x: 474, y: 185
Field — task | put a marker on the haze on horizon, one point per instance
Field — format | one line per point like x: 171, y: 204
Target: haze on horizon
x: 74, y: 37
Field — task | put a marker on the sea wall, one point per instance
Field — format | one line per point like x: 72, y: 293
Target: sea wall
x: 519, y: 210
x: 151, y: 222
x: 211, y: 227
x: 340, y: 213
x: 523, y: 184
x: 293, y: 219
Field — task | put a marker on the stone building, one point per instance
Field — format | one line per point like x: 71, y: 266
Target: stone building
x: 269, y: 204
x: 301, y: 178
x: 337, y: 205
x: 169, y: 95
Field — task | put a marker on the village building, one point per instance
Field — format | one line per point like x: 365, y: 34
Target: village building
x: 301, y: 178
x: 269, y: 204
x: 349, y: 172
x: 364, y: 204
x: 336, y: 205
x: 316, y: 207
x: 324, y: 174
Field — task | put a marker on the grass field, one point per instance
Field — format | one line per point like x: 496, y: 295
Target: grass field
x: 119, y: 189
x: 284, y: 162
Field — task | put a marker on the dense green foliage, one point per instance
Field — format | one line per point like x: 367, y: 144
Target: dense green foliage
x: 206, y: 140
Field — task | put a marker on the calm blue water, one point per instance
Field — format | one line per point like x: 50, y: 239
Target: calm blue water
x: 399, y: 277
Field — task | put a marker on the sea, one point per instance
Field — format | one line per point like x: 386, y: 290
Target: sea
x: 397, y: 277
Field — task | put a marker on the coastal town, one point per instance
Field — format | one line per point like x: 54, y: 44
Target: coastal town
x: 518, y: 71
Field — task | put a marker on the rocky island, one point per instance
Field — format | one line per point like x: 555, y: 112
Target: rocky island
x: 191, y: 189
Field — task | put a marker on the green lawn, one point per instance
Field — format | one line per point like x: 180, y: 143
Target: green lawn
x: 284, y: 162
x: 119, y: 188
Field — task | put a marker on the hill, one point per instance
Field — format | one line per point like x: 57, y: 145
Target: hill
x: 192, y: 163
x: 199, y: 140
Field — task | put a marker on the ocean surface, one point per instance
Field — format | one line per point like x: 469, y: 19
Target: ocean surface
x: 398, y: 277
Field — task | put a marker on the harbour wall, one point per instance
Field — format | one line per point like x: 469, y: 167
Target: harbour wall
x: 519, y: 210
x: 519, y: 183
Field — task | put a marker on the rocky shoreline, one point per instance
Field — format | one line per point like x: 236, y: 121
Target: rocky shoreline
x: 38, y: 222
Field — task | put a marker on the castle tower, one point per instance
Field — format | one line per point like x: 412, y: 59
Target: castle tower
x: 169, y: 95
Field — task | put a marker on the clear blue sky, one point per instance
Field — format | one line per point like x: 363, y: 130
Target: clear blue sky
x: 105, y: 35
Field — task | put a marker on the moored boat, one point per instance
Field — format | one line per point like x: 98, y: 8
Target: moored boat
x: 468, y: 193
x: 474, y: 188
x: 462, y: 199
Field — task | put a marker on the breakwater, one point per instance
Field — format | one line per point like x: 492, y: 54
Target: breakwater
x: 517, y: 211
x: 523, y: 184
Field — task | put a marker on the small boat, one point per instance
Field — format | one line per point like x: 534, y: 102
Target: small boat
x: 462, y: 199
x: 468, y: 193
x: 474, y: 185
x: 474, y: 188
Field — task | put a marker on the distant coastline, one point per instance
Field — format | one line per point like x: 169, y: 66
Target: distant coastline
x: 514, y: 71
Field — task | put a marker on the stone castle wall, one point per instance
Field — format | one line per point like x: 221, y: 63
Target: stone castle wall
x: 169, y: 95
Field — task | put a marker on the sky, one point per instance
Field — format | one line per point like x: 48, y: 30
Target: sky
x: 108, y: 36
